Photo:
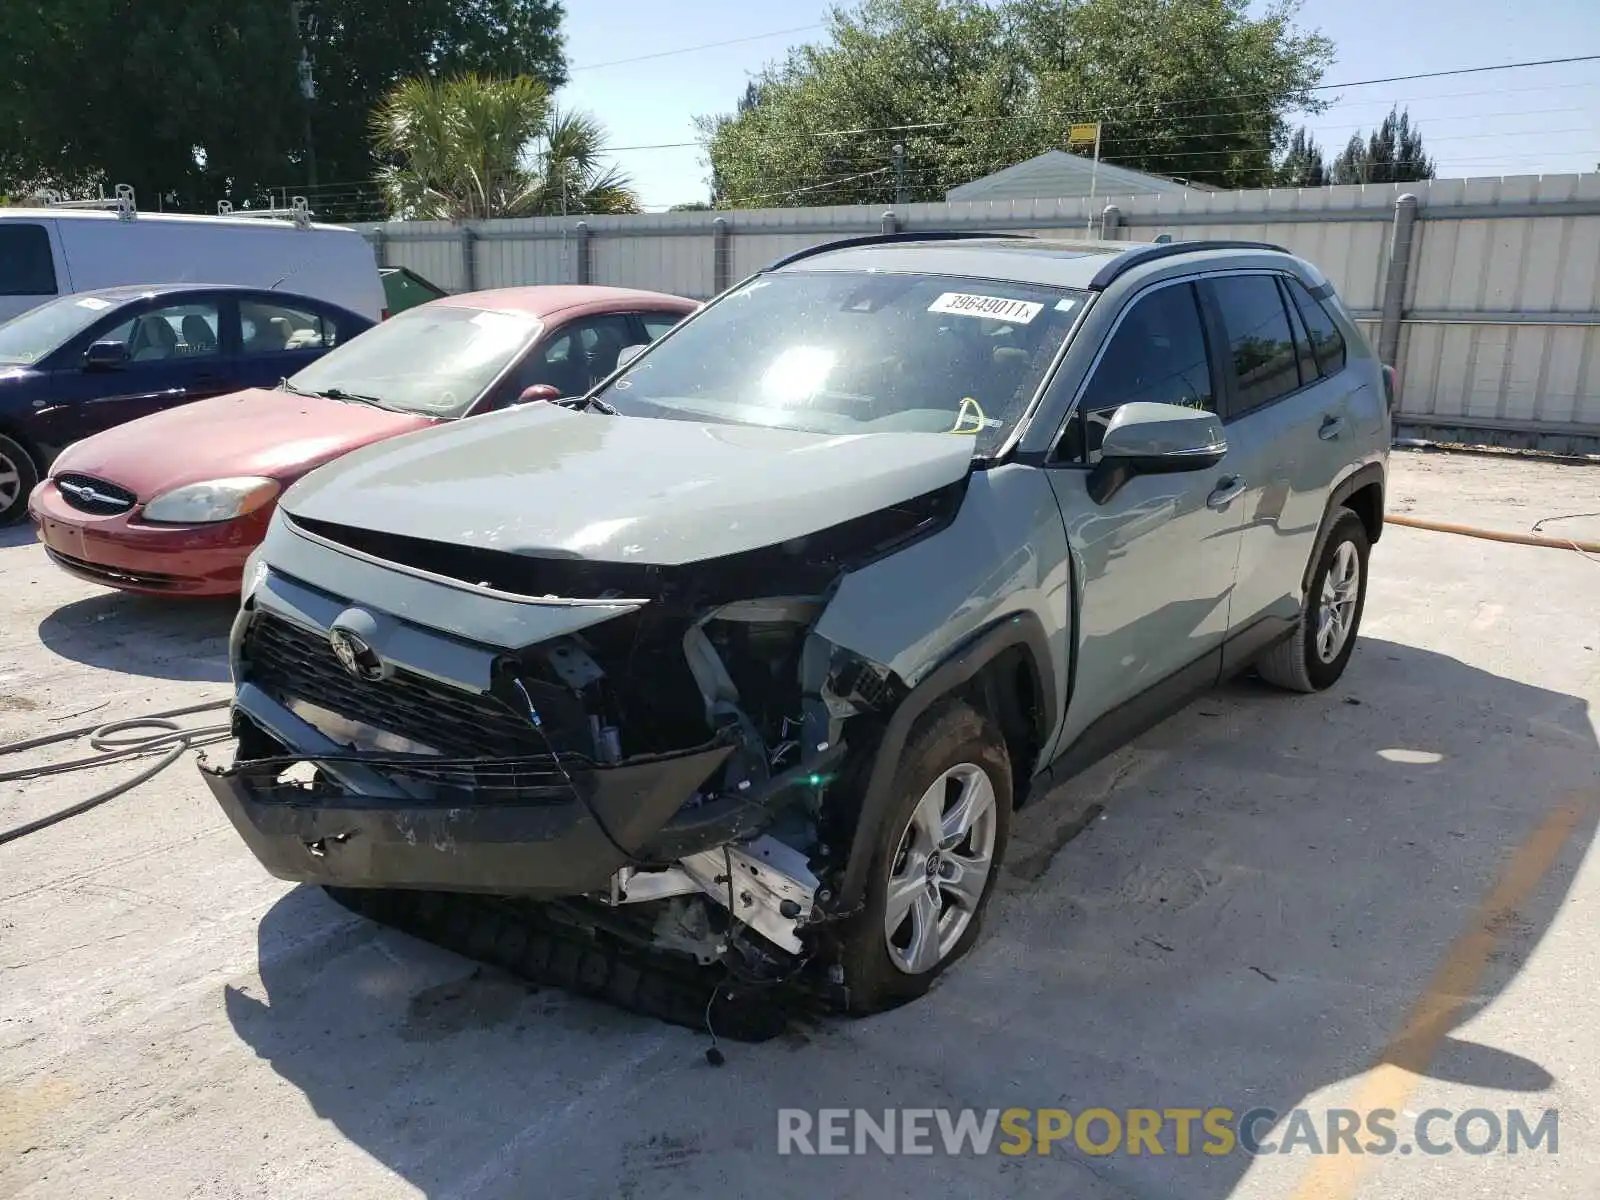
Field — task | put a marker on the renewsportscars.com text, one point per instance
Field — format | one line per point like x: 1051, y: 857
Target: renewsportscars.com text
x: 1160, y: 1131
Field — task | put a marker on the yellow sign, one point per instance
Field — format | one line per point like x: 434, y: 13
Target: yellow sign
x: 1083, y: 135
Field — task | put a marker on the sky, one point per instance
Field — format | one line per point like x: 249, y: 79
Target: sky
x: 1524, y: 122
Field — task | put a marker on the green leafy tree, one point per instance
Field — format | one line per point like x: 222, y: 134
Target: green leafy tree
x: 1196, y: 89
x: 1193, y: 88
x: 194, y: 101
x: 1392, y: 154
x: 472, y: 147
x: 1302, y: 164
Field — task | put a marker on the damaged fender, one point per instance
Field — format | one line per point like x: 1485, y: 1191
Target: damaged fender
x: 935, y: 632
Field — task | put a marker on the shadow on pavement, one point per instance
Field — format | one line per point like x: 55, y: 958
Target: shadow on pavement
x: 1269, y: 888
x: 144, y: 635
x: 18, y: 534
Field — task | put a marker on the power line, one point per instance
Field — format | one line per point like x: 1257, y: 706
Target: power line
x: 1087, y: 112
x: 1544, y: 62
x: 754, y: 37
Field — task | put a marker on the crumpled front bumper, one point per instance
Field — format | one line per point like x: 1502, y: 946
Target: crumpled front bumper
x: 543, y: 849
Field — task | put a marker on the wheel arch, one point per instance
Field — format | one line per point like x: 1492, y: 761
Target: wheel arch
x: 34, y: 451
x: 1361, y: 491
x: 1005, y: 670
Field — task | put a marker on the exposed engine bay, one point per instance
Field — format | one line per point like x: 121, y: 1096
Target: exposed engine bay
x: 678, y: 776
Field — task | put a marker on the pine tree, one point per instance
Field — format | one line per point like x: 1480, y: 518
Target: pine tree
x: 1302, y: 164
x: 1392, y: 154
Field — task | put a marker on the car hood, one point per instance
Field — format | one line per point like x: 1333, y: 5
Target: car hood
x: 544, y: 480
x: 256, y: 432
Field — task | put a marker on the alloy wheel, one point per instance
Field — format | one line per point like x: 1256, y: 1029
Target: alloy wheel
x: 1341, y: 587
x: 10, y: 481
x: 938, y: 875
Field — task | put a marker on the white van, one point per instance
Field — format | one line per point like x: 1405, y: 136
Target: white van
x: 76, y: 247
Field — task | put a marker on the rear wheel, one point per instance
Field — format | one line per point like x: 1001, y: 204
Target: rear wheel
x: 18, y: 474
x: 933, y: 869
x: 1314, y: 657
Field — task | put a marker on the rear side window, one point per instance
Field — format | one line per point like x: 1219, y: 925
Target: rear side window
x: 1327, y: 343
x: 275, y: 328
x: 1261, y: 353
x: 26, y: 267
x: 657, y: 323
x: 1156, y: 355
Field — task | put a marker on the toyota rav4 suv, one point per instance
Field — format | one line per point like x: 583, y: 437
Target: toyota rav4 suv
x: 747, y: 656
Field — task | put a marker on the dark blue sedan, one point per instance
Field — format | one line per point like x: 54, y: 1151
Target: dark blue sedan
x: 86, y: 362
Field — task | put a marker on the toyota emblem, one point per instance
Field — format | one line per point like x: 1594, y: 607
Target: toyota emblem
x: 355, y: 656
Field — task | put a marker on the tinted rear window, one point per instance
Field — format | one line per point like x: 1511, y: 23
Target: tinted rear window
x: 1327, y: 343
x: 1261, y: 354
x: 26, y: 267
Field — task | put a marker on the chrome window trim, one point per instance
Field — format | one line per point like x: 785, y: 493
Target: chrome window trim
x: 1140, y: 294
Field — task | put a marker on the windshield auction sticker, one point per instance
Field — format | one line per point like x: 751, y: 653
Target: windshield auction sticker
x: 996, y: 308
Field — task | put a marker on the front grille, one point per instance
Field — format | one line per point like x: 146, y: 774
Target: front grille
x: 88, y: 494
x: 291, y: 663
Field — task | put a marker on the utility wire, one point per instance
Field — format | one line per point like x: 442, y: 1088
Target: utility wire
x: 754, y: 37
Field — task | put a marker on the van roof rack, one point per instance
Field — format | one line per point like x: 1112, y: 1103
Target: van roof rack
x: 299, y: 211
x: 121, y: 202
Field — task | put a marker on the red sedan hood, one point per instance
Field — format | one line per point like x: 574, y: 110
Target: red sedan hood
x: 256, y: 432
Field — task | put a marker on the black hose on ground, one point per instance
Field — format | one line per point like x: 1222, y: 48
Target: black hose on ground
x: 114, y: 742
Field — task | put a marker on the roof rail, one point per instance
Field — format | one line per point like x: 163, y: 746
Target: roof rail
x: 120, y: 203
x: 884, y: 239
x: 1138, y: 256
x: 299, y: 212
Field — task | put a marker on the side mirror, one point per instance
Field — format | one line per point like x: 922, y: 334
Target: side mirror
x: 105, y: 356
x: 1155, y: 439
x: 628, y: 354
x: 539, y: 391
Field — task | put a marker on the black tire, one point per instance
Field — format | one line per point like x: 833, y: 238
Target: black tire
x: 1296, y: 663
x: 15, y: 459
x: 949, y: 737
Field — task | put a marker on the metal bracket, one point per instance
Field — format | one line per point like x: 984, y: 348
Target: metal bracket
x: 772, y: 888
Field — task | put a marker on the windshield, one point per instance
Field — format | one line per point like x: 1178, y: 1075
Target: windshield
x: 44, y: 330
x: 435, y: 360
x: 858, y: 352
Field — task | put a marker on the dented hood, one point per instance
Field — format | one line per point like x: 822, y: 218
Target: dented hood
x: 544, y: 480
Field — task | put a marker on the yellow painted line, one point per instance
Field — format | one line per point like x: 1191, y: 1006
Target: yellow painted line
x: 1397, y: 1074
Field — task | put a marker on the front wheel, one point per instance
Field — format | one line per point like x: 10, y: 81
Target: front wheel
x: 18, y: 474
x: 938, y: 852
x: 1314, y: 657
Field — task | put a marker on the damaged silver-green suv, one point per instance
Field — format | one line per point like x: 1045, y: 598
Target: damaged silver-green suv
x: 747, y: 656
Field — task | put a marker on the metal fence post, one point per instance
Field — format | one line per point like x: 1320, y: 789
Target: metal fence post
x: 1110, y: 220
x: 1394, y: 283
x: 721, y: 256
x: 380, y: 247
x: 469, y: 260
x: 891, y: 223
x: 585, y: 252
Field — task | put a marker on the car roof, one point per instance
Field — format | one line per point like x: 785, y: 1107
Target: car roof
x: 545, y: 300
x: 1081, y: 263
x: 125, y: 292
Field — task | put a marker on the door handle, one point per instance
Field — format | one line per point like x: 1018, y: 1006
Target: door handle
x: 1332, y: 427
x: 1226, y: 492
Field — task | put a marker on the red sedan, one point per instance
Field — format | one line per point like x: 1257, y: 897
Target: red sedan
x: 175, y: 502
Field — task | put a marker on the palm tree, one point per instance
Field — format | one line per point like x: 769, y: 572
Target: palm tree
x: 473, y: 147
x: 572, y: 176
